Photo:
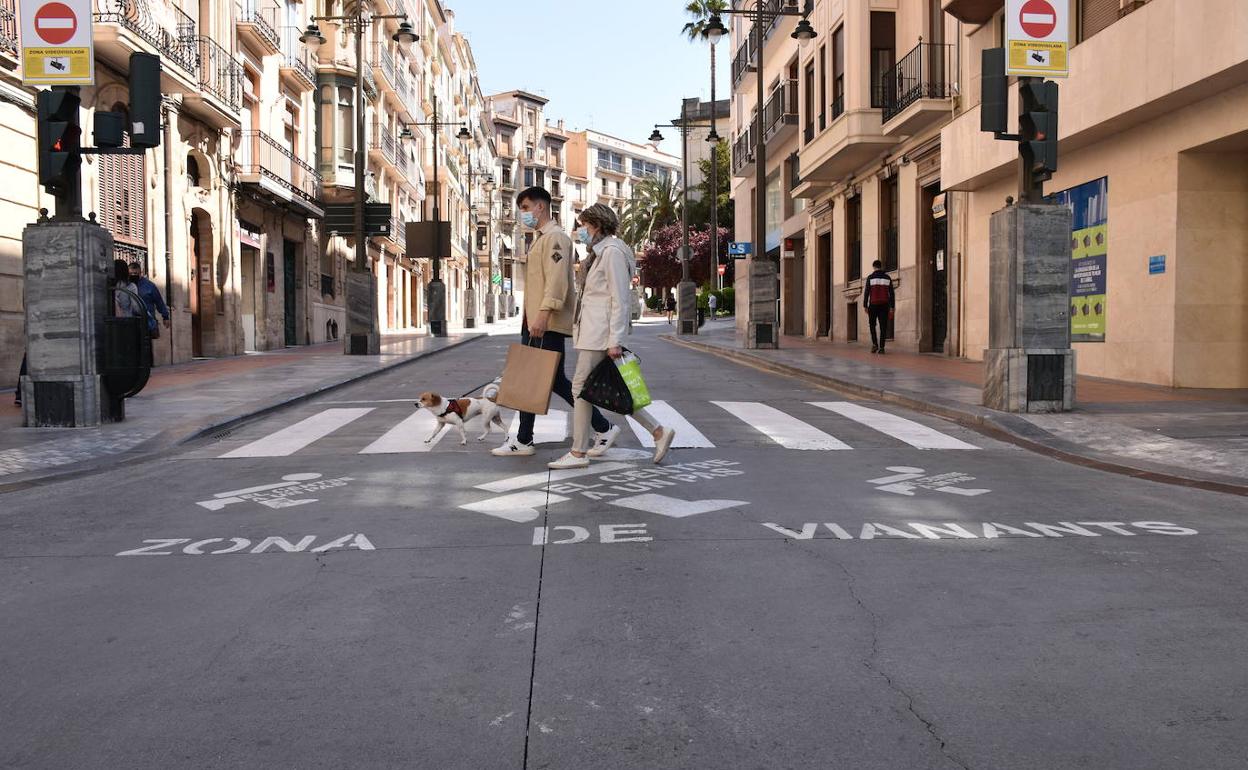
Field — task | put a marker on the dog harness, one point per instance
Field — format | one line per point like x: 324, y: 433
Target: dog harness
x: 453, y: 407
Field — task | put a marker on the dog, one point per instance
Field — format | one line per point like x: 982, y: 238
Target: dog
x: 457, y: 411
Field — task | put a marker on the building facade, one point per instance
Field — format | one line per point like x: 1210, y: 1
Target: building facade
x: 258, y: 138
x: 886, y: 158
x: 699, y: 114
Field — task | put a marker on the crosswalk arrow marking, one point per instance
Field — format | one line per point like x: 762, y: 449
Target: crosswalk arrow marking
x: 673, y: 507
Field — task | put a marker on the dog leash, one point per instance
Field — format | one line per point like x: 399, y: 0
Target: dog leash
x: 479, y: 387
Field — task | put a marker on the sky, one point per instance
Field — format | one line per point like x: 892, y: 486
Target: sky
x: 618, y: 67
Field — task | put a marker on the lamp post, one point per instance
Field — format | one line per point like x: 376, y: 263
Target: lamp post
x: 363, y: 335
x: 470, y: 298
x: 686, y: 290
x: 761, y: 325
x: 436, y: 299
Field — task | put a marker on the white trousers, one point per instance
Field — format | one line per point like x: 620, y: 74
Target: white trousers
x: 582, y: 432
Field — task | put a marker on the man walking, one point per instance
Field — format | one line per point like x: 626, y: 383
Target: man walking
x: 549, y: 307
x: 148, y: 292
x: 878, y: 299
x: 712, y: 301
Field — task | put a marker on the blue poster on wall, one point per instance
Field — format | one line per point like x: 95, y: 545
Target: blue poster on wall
x: 1089, y: 252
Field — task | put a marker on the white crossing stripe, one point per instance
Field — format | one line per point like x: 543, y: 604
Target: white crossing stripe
x: 913, y: 433
x: 408, y: 436
x: 550, y: 477
x: 289, y: 440
x: 686, y: 434
x: 550, y: 428
x: 519, y: 507
x: 787, y: 431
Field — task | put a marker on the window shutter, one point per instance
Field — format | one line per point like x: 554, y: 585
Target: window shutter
x: 1096, y: 15
x: 122, y: 205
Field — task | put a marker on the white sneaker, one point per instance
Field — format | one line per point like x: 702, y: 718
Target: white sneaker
x: 662, y: 444
x: 513, y: 448
x: 569, y: 460
x: 603, y: 441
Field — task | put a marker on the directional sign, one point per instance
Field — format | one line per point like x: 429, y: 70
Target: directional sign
x: 1037, y: 38
x: 340, y: 218
x: 739, y: 249
x: 56, y: 43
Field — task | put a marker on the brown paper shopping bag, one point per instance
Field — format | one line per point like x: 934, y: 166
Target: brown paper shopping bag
x: 528, y: 378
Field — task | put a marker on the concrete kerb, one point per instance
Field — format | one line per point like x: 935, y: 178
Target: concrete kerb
x: 195, y: 430
x: 1003, y: 427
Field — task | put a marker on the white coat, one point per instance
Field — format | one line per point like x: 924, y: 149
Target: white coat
x: 602, y: 312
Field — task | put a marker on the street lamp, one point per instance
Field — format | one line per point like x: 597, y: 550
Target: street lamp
x: 436, y: 300
x: 470, y: 298
x: 363, y: 334
x: 686, y: 291
x: 761, y: 330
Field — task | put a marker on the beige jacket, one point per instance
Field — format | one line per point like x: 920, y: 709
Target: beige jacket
x: 602, y: 314
x: 548, y: 278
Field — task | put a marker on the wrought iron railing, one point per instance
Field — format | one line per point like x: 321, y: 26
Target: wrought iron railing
x: 383, y: 139
x: 838, y: 106
x: 8, y: 26
x: 220, y: 74
x: 781, y: 108
x: 249, y: 12
x: 853, y: 266
x: 889, y: 247
x: 384, y: 60
x: 327, y: 285
x: 741, y: 61
x: 134, y: 255
x: 166, y: 28
x: 743, y: 149
x: 260, y: 154
x: 924, y: 73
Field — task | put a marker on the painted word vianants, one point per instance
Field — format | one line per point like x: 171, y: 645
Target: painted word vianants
x: 976, y: 531
x: 216, y: 546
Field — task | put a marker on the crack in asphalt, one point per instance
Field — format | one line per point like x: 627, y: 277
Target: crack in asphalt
x: 869, y: 663
x: 537, y: 620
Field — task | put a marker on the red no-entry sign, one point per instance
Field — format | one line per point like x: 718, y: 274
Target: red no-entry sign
x: 722, y: 269
x: 56, y: 23
x: 1038, y: 18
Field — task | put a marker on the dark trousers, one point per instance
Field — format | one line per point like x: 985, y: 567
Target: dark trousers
x: 878, y: 315
x: 563, y: 387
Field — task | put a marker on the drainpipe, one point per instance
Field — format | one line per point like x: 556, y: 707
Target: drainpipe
x: 168, y: 143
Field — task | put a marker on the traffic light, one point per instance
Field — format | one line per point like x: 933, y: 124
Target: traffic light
x: 144, y: 100
x: 1038, y: 125
x: 995, y: 97
x: 59, y: 142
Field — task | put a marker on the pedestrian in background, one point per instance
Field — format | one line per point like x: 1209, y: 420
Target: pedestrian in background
x: 712, y: 302
x: 151, y: 296
x: 124, y: 294
x: 17, y: 395
x: 878, y: 299
x: 671, y: 305
x: 599, y: 327
x: 549, y: 306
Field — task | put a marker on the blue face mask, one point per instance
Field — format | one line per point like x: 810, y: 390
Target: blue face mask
x: 582, y: 234
x: 528, y: 219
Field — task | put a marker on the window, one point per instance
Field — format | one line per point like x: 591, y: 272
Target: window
x: 192, y: 172
x: 122, y: 202
x: 889, y: 219
x: 853, y: 238
x: 809, y: 102
x: 345, y: 141
x: 838, y: 72
x: 883, y: 57
x: 823, y: 86
x: 1096, y: 15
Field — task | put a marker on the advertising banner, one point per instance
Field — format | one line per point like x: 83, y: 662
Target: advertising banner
x: 1089, y: 245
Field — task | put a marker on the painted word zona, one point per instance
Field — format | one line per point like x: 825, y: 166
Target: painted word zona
x: 986, y: 530
x: 215, y: 546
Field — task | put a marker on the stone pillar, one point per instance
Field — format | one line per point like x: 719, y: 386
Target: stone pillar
x: 1029, y: 366
x: 362, y: 338
x: 67, y: 267
x: 435, y: 296
x: 761, y: 330
x: 470, y: 308
x: 686, y: 308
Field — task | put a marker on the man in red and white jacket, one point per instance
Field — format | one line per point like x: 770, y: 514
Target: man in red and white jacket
x: 878, y: 300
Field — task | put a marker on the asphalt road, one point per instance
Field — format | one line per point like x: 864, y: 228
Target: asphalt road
x: 807, y: 589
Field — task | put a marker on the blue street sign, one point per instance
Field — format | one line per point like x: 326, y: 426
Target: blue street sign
x: 1157, y: 265
x: 740, y: 249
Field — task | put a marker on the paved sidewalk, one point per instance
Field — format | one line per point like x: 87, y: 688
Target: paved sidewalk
x: 1184, y: 436
x: 187, y: 400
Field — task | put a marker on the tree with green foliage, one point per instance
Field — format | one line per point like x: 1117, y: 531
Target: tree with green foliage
x: 655, y: 204
x: 700, y: 209
x: 700, y: 12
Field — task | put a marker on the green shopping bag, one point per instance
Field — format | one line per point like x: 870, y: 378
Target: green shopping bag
x: 630, y: 369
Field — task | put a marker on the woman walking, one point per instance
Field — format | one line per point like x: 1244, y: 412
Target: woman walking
x: 601, y: 322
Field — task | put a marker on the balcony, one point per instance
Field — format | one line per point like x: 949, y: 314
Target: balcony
x: 255, y: 27
x: 918, y: 92
x: 972, y: 11
x: 123, y: 27
x: 780, y: 113
x: 8, y: 28
x: 274, y: 170
x: 298, y: 65
x: 743, y: 152
x: 383, y: 65
x: 382, y: 146
x: 743, y: 60
x: 852, y: 139
x: 220, y: 95
x: 608, y: 167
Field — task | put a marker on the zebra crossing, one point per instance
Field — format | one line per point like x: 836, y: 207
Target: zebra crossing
x: 761, y: 423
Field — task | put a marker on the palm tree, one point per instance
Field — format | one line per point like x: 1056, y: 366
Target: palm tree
x: 655, y: 203
x: 700, y: 11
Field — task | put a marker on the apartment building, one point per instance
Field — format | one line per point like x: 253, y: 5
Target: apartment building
x: 1154, y: 160
x: 699, y: 114
x: 611, y: 166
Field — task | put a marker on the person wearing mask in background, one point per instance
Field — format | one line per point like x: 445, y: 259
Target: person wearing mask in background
x: 125, y: 294
x: 878, y: 300
x: 549, y: 304
x: 600, y: 324
x: 151, y: 296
